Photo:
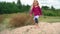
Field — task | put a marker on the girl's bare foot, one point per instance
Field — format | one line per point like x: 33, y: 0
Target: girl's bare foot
x: 37, y: 27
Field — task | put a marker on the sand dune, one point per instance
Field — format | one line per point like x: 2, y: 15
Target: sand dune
x: 45, y: 28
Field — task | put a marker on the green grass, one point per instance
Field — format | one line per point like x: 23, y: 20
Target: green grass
x: 49, y: 19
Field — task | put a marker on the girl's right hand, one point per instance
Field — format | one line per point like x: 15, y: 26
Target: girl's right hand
x: 30, y: 14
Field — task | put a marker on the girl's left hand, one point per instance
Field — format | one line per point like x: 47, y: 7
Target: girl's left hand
x: 40, y: 15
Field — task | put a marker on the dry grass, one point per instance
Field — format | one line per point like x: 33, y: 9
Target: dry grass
x: 1, y: 18
x: 22, y: 19
x: 19, y: 20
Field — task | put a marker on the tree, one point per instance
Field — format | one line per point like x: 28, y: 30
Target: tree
x: 45, y: 7
x: 19, y: 5
x: 52, y: 8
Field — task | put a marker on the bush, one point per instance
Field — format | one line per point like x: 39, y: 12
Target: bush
x: 19, y: 20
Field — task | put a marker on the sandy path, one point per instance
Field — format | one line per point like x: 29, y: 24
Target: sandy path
x: 45, y: 28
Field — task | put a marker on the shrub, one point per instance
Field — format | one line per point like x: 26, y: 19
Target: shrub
x: 19, y: 20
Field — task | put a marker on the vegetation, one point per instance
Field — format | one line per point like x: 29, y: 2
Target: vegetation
x: 50, y: 11
x: 8, y: 8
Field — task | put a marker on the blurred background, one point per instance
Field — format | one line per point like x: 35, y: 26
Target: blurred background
x: 15, y: 13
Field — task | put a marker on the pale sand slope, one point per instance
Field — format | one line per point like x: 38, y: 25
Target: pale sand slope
x: 45, y: 28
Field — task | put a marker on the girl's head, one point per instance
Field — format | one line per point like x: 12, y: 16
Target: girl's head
x: 35, y: 3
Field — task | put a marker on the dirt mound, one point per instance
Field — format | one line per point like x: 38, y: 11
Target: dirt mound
x: 45, y: 28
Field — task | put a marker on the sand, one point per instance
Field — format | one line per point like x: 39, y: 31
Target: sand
x: 45, y: 28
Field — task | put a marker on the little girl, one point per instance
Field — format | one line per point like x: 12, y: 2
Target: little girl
x: 36, y: 11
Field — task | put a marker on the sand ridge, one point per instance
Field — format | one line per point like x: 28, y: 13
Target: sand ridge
x: 45, y: 28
